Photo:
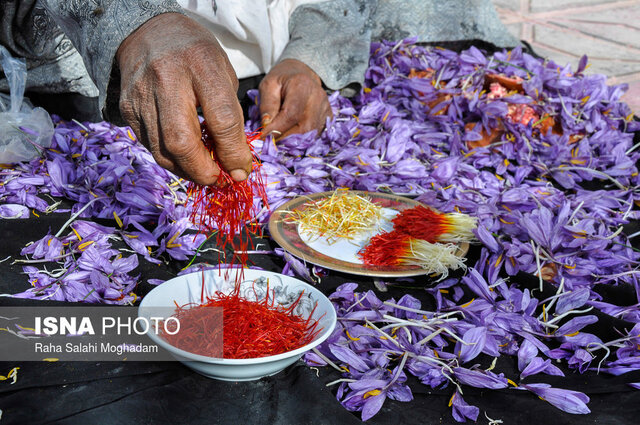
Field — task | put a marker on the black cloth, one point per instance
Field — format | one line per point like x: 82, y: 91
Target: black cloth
x: 170, y: 393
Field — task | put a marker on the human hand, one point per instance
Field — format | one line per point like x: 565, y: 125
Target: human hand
x: 292, y: 100
x: 170, y: 66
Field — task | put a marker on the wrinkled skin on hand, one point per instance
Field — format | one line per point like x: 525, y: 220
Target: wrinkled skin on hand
x: 170, y: 66
x: 292, y: 100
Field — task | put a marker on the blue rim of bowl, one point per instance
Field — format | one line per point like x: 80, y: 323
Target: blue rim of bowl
x: 189, y: 356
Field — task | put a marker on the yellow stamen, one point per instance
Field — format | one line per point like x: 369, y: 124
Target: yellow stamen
x: 467, y: 304
x: 35, y: 213
x: 117, y: 219
x: 13, y: 373
x: 77, y: 234
x: 512, y: 383
x: 371, y: 393
x: 350, y: 337
x: 573, y: 334
x: 172, y: 239
x: 84, y: 245
x: 361, y: 162
x: 451, y: 399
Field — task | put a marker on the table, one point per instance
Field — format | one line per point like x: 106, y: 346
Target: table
x: 169, y: 393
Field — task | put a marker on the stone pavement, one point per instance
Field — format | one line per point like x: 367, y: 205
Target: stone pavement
x: 608, y: 32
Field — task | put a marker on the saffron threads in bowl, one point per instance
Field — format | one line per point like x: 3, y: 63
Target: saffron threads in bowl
x: 229, y: 207
x: 395, y: 249
x: 251, y: 329
x: 342, y: 215
x: 424, y: 223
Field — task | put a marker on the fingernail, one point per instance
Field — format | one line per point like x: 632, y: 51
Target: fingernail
x: 238, y: 174
x: 266, y: 120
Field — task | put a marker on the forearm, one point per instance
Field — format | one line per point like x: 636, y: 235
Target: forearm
x: 333, y: 39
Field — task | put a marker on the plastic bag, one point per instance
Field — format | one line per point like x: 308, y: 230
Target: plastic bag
x: 24, y: 131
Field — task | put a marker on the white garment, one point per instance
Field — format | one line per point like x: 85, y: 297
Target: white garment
x: 253, y: 33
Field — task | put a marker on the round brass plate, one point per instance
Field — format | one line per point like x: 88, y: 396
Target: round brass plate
x: 286, y: 235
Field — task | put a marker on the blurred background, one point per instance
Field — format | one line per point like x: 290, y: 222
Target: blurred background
x: 608, y: 32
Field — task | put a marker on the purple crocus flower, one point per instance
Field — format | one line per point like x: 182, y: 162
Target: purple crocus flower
x: 566, y: 400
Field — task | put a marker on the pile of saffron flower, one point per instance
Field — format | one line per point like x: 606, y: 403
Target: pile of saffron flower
x: 541, y: 155
x: 544, y: 157
x: 104, y: 173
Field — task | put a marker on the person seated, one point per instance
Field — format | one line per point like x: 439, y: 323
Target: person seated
x: 151, y: 64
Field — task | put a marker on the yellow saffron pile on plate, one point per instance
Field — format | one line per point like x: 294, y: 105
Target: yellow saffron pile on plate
x: 342, y: 215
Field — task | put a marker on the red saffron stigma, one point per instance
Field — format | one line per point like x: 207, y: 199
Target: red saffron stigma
x: 385, y: 249
x: 250, y: 329
x: 421, y: 222
x: 230, y: 207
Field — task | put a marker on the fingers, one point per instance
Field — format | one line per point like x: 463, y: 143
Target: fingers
x: 292, y: 100
x: 225, y: 122
x: 180, y: 143
x: 144, y: 123
x: 289, y: 115
x: 270, y: 100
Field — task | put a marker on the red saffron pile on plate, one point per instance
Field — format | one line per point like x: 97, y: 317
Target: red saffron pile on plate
x: 421, y: 237
x: 432, y: 226
x: 251, y: 329
x: 229, y: 208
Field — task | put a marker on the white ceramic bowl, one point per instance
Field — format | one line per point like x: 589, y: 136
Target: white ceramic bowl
x: 187, y: 289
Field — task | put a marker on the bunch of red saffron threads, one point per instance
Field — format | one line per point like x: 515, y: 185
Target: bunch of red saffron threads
x: 424, y: 223
x: 251, y: 329
x: 229, y: 207
x: 421, y: 237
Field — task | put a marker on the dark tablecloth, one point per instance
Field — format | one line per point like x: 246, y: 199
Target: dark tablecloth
x: 169, y: 393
